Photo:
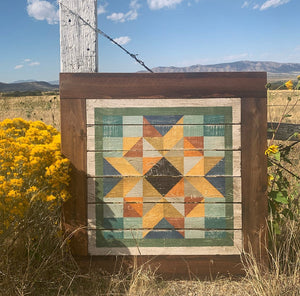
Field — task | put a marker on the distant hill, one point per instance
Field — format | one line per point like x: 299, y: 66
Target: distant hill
x: 276, y: 71
x: 28, y: 86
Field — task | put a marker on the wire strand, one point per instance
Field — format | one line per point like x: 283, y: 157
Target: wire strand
x: 134, y: 56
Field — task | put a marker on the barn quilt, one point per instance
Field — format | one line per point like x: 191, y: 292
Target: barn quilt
x: 166, y: 179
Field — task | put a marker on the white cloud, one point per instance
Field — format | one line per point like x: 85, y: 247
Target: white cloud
x: 158, y: 4
x: 27, y: 60
x: 34, y: 64
x: 246, y: 4
x: 131, y: 15
x: 18, y: 67
x: 122, y: 40
x: 273, y: 3
x: 43, y: 10
x: 102, y: 7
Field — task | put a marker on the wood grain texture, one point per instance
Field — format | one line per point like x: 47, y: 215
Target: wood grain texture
x: 170, y: 267
x: 73, y: 145
x: 163, y: 85
x: 78, y: 41
x: 254, y: 172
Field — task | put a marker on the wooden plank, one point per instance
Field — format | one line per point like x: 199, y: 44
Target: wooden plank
x: 210, y: 247
x: 182, y: 267
x: 108, y: 106
x: 254, y: 172
x: 78, y: 41
x: 73, y: 145
x: 162, y: 85
x: 93, y: 192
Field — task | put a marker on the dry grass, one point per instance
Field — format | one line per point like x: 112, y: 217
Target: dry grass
x: 43, y: 108
x: 277, y: 102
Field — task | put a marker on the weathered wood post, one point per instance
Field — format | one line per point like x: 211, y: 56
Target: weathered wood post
x: 78, y: 41
x: 79, y: 53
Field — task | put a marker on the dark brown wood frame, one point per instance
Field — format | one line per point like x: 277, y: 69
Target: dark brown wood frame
x: 250, y: 87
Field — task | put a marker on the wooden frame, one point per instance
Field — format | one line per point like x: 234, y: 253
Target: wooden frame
x: 75, y: 89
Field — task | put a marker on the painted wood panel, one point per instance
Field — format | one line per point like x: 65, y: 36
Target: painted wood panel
x: 163, y: 176
x: 248, y: 186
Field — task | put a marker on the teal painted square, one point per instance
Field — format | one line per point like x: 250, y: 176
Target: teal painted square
x: 194, y: 222
x: 113, y: 235
x: 215, y: 223
x: 137, y: 120
x: 113, y: 153
x: 215, y: 210
x: 211, y: 119
x: 214, y: 143
x: 133, y: 222
x: 193, y: 130
x: 132, y: 131
x: 193, y: 119
x: 112, y: 223
x: 188, y: 234
x: 113, y: 143
x: 214, y: 130
x: 215, y: 199
x: 133, y: 234
x: 112, y: 119
x: 215, y: 234
x: 112, y: 131
x: 112, y: 210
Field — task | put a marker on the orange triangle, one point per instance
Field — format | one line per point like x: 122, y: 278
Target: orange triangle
x: 136, y: 150
x: 210, y: 162
x: 198, y: 169
x: 197, y: 211
x: 133, y: 207
x: 197, y: 142
x: 190, y: 150
x: 149, y: 130
x: 149, y: 162
x: 177, y: 190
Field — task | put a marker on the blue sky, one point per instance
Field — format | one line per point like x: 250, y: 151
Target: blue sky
x: 161, y: 32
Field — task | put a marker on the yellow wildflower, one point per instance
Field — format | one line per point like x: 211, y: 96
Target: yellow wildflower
x: 50, y: 197
x: 270, y: 179
x: 298, y: 77
x: 271, y: 150
x: 289, y: 84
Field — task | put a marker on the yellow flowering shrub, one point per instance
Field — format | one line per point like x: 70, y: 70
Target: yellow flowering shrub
x: 32, y: 168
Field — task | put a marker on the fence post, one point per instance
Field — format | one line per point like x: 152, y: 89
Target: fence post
x: 78, y: 41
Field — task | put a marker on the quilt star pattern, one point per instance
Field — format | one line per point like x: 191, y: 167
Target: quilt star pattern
x: 163, y: 177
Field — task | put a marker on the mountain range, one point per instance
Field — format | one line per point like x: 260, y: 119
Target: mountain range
x: 28, y: 86
x: 276, y: 72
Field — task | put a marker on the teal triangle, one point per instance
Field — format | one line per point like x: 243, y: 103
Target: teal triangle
x: 109, y: 170
x: 218, y: 169
x: 167, y: 234
x: 163, y: 123
x: 109, y: 184
x: 163, y: 224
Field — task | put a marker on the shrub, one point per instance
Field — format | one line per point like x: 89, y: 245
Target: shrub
x: 32, y: 168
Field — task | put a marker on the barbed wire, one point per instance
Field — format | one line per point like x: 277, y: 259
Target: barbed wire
x: 134, y: 56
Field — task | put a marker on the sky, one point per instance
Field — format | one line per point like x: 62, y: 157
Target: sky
x: 162, y: 32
